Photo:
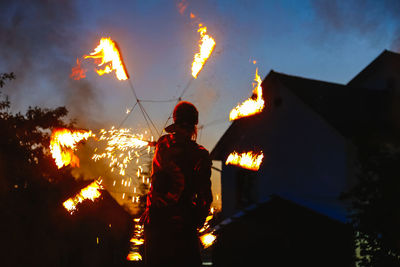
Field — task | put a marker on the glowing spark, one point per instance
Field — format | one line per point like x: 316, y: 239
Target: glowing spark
x: 120, y: 149
x: 207, y: 44
x: 251, y: 106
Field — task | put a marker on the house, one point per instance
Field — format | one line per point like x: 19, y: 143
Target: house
x: 39, y: 231
x: 279, y: 232
x: 308, y: 132
x: 97, y: 233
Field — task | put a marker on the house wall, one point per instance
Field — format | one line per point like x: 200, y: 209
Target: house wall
x: 305, y: 158
x: 228, y: 190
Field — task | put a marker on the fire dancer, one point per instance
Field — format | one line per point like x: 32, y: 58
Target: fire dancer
x: 180, y: 195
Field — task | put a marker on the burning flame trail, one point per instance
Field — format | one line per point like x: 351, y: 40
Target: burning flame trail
x: 121, y: 148
x: 134, y: 256
x: 207, y: 44
x: 136, y: 241
x: 207, y: 237
x: 92, y: 192
x: 63, y: 143
x: 110, y: 56
x: 251, y: 106
x: 249, y: 160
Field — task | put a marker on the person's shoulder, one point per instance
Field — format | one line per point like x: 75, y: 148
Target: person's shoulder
x: 202, y: 150
x: 164, y: 138
x: 164, y: 142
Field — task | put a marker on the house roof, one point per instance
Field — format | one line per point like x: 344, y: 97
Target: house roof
x: 348, y: 109
x: 386, y: 58
x: 281, y: 202
x: 277, y: 226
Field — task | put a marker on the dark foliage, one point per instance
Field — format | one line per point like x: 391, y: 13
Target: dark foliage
x: 6, y: 76
x: 375, y: 212
x: 36, y: 229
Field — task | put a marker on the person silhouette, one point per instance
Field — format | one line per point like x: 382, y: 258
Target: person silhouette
x: 180, y: 194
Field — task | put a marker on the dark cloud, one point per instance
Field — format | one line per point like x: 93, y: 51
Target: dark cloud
x: 38, y: 43
x: 368, y: 18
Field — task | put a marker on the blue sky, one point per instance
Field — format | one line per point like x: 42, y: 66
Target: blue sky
x: 326, y: 40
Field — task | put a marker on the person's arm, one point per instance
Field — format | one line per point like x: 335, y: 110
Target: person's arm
x: 204, y: 194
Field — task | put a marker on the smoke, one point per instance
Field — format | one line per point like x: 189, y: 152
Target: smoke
x: 182, y: 5
x: 205, y: 96
x: 365, y: 18
x: 39, y: 41
x: 89, y: 169
x: 82, y: 104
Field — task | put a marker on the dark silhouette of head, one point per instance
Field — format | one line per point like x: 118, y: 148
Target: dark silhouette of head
x: 186, y: 117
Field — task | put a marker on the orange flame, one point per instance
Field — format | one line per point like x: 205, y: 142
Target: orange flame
x: 251, y: 106
x: 137, y: 240
x: 63, y: 143
x: 207, y: 44
x: 77, y: 72
x: 110, y: 56
x: 249, y: 160
x: 207, y: 239
x: 92, y: 192
x: 134, y: 256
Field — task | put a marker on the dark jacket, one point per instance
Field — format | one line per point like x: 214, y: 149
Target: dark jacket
x: 178, y: 202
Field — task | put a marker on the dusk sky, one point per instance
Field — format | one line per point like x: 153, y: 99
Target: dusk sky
x: 41, y: 40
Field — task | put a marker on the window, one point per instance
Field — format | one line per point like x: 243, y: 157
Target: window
x: 246, y: 193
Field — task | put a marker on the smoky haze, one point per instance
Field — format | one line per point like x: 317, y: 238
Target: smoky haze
x: 37, y: 44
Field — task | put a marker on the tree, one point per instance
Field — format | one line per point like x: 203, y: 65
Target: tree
x: 24, y: 143
x: 375, y: 202
x: 36, y: 228
x: 29, y: 195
